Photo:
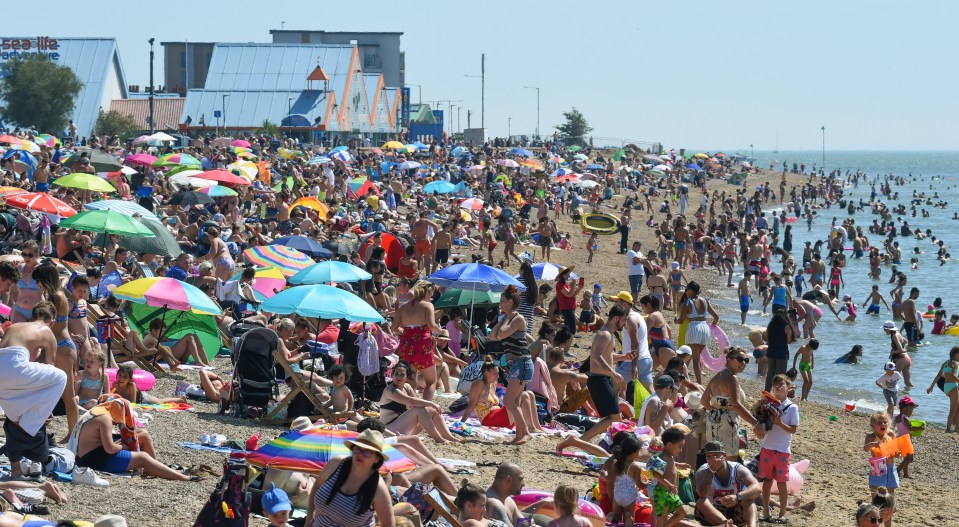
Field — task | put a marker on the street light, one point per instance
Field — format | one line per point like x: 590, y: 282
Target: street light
x: 452, y: 125
x: 824, y: 148
x: 459, y: 118
x: 419, y: 93
x: 509, y: 128
x: 752, y: 153
x: 482, y: 76
x: 152, y: 127
x: 223, y: 105
x: 537, y: 107
x: 289, y: 111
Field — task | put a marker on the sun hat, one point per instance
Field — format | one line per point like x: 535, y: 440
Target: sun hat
x: 275, y: 500
x: 713, y: 447
x: 694, y: 400
x: 110, y: 520
x: 624, y: 296
x: 371, y: 440
x: 684, y: 350
x: 675, y: 265
x: 907, y: 401
x: 301, y: 423
x: 442, y: 335
x: 890, y: 366
x: 889, y: 324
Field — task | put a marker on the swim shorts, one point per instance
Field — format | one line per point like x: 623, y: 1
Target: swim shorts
x: 773, y: 465
x: 744, y: 303
x: 664, y: 502
x: 873, y: 309
x: 805, y: 366
x: 603, y: 394
x: 423, y: 247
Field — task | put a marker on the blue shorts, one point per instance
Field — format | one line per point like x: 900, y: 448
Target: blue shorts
x: 635, y: 284
x: 42, y: 187
x: 645, y: 370
x: 744, y: 303
x: 873, y: 309
x: 520, y: 369
x: 890, y: 479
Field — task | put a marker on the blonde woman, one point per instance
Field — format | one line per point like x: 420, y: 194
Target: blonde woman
x: 415, y: 323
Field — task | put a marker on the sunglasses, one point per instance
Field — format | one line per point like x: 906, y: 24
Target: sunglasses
x: 874, y: 520
x: 743, y: 360
x: 28, y: 255
x: 362, y: 451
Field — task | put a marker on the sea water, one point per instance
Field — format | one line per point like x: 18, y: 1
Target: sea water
x: 842, y: 383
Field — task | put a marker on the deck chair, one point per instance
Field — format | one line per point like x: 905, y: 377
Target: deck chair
x: 297, y: 386
x: 144, y: 361
x: 443, y: 506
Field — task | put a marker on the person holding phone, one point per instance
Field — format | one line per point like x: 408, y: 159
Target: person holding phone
x: 566, y: 296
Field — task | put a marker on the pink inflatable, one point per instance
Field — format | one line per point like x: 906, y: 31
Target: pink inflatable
x: 143, y: 380
x: 590, y: 510
x: 795, y: 482
x: 716, y: 364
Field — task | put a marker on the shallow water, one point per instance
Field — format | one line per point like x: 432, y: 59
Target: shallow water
x: 841, y: 383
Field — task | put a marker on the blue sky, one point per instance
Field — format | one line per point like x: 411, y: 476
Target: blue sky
x: 697, y: 74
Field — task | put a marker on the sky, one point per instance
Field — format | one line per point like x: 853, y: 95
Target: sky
x: 703, y: 75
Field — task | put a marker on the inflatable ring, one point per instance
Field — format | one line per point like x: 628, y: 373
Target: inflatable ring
x: 951, y: 331
x: 600, y: 223
x: 791, y: 219
x: 590, y: 510
x: 716, y: 364
x: 143, y: 380
x: 928, y: 315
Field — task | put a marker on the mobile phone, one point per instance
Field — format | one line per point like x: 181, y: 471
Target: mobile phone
x: 582, y: 280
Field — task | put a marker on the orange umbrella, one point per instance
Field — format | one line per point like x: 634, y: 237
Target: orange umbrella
x: 9, y: 191
x: 311, y: 202
x: 40, y: 202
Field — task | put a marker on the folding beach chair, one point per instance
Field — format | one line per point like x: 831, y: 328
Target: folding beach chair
x: 110, y: 332
x: 443, y: 506
x: 298, y: 387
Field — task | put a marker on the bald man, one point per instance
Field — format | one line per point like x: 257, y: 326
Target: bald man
x: 507, y: 482
x: 29, y: 390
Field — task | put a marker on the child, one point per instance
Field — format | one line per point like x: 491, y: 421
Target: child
x: 621, y: 477
x: 953, y: 322
x: 886, y: 503
x: 849, y: 307
x: 599, y: 301
x: 853, y: 357
x: 586, y: 317
x: 903, y: 423
x: 939, y: 322
x: 565, y: 243
x: 776, y: 449
x: 666, y: 502
x: 759, y: 349
x: 94, y: 380
x: 806, y: 365
x: 77, y: 316
x: 889, y: 382
x: 341, y: 398
x: 591, y: 246
x: 276, y: 506
x: 744, y: 297
x: 873, y: 300
x: 566, y: 502
x: 799, y: 281
x: 124, y: 387
x: 886, y: 476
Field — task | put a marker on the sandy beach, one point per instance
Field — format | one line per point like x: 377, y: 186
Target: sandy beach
x: 835, y: 480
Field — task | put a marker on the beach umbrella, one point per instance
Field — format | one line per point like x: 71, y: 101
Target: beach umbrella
x: 181, y: 159
x: 310, y: 450
x: 532, y: 163
x: 474, y: 276
x: 575, y: 148
x: 218, y: 191
x: 10, y: 191
x: 221, y: 142
x: 288, y: 260
x: 652, y: 159
x: 188, y: 178
x: 440, y: 187
x: 587, y: 184
x: 520, y: 152
x: 84, y: 181
x: 394, y: 145
x: 619, y: 154
x: 580, y: 157
x: 10, y: 139
x: 241, y: 142
x: 548, y: 271
x: 129, y: 208
x: 179, y: 324
x: 141, y: 139
x: 311, y: 202
x: 362, y: 186
x: 561, y: 172
x: 340, y: 148
x: 40, y: 202
x: 395, y: 250
x: 160, y: 137
x: 466, y: 297
x: 406, y: 165
x: 267, y: 282
x: 46, y: 140
x: 657, y: 173
x: 509, y: 163
x: 143, y: 160
x: 595, y: 166
x: 572, y: 178
x: 330, y: 271
x: 189, y: 197
x: 247, y: 169
x: 476, y: 169
x: 304, y: 244
x: 338, y: 248
x: 26, y: 145
x: 342, y: 155
x: 472, y: 204
x: 168, y: 293
x: 319, y: 160
x: 458, y: 152
x: 662, y: 168
x: 101, y: 161
x: 222, y: 176
x: 108, y: 222
x: 162, y: 243
x: 419, y: 145
x: 694, y: 166
x: 700, y: 155
x: 321, y: 301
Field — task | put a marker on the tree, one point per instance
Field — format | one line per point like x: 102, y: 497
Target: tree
x: 115, y: 123
x: 268, y: 129
x: 38, y: 92
x: 575, y: 127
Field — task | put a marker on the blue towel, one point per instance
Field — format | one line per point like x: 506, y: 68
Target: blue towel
x: 197, y: 446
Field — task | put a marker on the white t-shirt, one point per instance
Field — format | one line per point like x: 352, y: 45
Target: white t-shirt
x: 890, y: 382
x: 778, y: 439
x: 625, y: 368
x: 636, y: 268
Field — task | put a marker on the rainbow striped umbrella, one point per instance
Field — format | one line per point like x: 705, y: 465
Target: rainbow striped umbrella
x: 267, y: 281
x: 168, y: 293
x: 310, y: 450
x: 217, y: 191
x: 176, y: 159
x: 287, y: 260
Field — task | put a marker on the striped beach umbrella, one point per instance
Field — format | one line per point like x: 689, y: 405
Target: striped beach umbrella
x: 168, y: 293
x: 310, y: 451
x: 267, y: 282
x: 170, y: 160
x: 287, y: 260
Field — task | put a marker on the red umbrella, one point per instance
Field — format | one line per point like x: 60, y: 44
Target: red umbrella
x: 394, y: 249
x: 223, y: 177
x: 40, y: 202
x: 573, y: 178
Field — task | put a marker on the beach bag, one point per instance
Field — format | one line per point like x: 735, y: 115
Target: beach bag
x: 368, y: 360
x: 229, y: 503
x: 469, y: 374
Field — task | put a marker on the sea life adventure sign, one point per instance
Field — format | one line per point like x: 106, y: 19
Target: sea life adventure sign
x: 19, y: 47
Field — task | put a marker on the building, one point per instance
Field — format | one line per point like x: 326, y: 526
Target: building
x: 313, y: 90
x: 185, y: 65
x: 379, y: 51
x: 95, y: 61
x: 166, y: 111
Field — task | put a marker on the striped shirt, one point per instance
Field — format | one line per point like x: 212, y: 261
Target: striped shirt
x: 341, y: 511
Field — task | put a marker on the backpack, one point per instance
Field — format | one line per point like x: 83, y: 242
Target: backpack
x: 229, y: 503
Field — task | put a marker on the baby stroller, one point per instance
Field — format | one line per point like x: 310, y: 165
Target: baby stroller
x: 254, y: 377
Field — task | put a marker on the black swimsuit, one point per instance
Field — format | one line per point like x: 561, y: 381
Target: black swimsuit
x: 396, y: 407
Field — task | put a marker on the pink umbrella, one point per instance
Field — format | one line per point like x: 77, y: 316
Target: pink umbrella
x: 223, y: 176
x: 572, y: 178
x: 476, y: 169
x: 472, y: 204
x: 140, y: 159
x: 241, y: 142
x: 507, y: 163
x: 140, y: 140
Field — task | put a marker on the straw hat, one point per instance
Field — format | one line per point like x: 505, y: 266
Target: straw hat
x: 442, y: 335
x: 371, y: 440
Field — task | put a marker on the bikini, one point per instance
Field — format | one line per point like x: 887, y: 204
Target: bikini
x: 91, y: 384
x: 78, y: 313
x: 949, y: 386
x: 396, y: 407
x: 25, y: 286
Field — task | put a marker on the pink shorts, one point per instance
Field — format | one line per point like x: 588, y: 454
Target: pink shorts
x: 773, y: 465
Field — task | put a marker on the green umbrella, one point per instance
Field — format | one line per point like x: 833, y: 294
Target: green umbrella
x: 178, y: 325
x: 161, y: 244
x: 466, y: 297
x: 84, y: 181
x: 619, y: 154
x: 575, y: 148
x: 106, y: 221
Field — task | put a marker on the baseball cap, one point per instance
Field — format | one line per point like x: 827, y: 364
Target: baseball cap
x: 624, y: 296
x: 684, y: 350
x: 713, y: 447
x: 907, y: 401
x: 665, y: 381
x: 275, y: 500
x: 890, y: 366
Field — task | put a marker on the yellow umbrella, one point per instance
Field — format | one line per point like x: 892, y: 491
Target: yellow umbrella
x: 701, y: 156
x: 84, y: 181
x: 311, y: 202
x: 245, y: 168
x: 394, y: 145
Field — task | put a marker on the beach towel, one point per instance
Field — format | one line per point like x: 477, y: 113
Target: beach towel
x: 121, y: 413
x: 198, y: 446
x: 166, y: 407
x: 28, y: 390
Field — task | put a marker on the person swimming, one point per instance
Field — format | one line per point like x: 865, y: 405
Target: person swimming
x: 852, y: 357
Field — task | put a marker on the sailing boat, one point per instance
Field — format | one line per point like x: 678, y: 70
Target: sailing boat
x: 776, y: 150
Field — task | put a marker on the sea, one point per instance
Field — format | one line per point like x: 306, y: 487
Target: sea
x: 840, y: 384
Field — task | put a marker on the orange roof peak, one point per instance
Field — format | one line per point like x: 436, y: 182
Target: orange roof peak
x: 318, y: 75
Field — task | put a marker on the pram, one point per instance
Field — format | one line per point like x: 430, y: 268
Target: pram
x: 254, y: 371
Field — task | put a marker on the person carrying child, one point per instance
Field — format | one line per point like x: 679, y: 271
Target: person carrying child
x: 667, y: 505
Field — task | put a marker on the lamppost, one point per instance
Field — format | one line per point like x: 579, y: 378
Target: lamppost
x: 459, y: 118
x: 537, y: 107
x: 752, y: 153
x: 223, y: 104
x: 482, y: 77
x: 152, y: 127
x: 509, y: 128
x: 419, y: 93
x: 452, y: 122
x: 823, y: 148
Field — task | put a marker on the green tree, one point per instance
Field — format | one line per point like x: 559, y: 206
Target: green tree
x: 268, y: 129
x: 115, y: 123
x: 38, y: 92
x: 575, y: 128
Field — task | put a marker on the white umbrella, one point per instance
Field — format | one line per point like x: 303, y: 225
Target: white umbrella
x: 662, y: 168
x: 160, y: 137
x: 587, y: 184
x: 665, y: 157
x: 186, y: 178
x: 507, y: 163
x: 406, y: 165
x: 581, y: 157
